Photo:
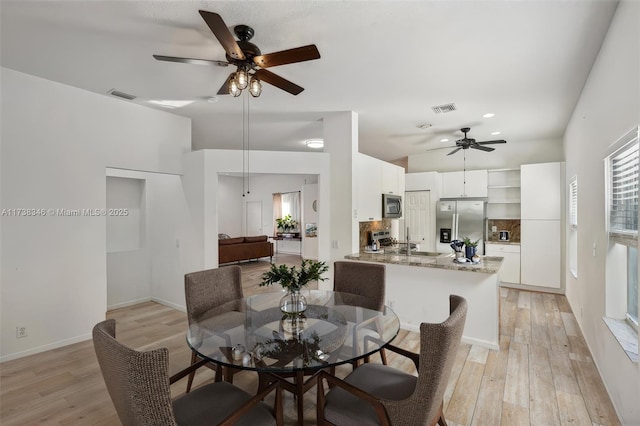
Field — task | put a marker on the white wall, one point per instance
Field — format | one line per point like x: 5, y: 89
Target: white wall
x: 509, y: 155
x: 231, y: 216
x: 309, y: 196
x: 57, y: 142
x: 607, y: 109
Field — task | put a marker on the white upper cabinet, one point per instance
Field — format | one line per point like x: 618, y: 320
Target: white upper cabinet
x: 369, y: 173
x: 471, y: 183
x: 391, y: 176
x: 541, y: 191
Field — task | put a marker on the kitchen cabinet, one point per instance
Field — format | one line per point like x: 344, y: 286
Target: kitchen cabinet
x: 510, y: 270
x: 504, y: 194
x: 541, y: 191
x: 541, y: 187
x: 392, y: 177
x: 369, y: 180
x: 540, y: 253
x: 472, y: 183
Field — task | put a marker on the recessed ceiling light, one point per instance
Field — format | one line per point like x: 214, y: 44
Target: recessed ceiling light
x: 495, y: 133
x: 488, y: 115
x: 424, y: 126
x: 444, y: 140
x: 171, y: 104
x: 315, y: 143
x: 212, y: 99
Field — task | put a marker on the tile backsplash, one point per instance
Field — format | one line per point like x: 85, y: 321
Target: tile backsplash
x: 511, y: 225
x: 366, y: 227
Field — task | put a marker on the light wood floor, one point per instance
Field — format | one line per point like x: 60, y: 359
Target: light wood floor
x: 543, y: 373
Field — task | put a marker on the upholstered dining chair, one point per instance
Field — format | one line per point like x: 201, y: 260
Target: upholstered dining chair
x: 139, y: 386
x: 362, y: 279
x: 375, y: 394
x: 210, y: 293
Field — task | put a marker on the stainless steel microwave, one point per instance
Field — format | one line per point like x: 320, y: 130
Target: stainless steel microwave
x: 391, y: 206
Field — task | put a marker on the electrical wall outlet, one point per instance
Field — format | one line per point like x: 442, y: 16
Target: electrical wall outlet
x: 21, y: 331
x: 494, y: 229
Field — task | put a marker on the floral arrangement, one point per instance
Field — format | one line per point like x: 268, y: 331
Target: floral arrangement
x: 286, y: 223
x: 469, y: 243
x: 292, y: 278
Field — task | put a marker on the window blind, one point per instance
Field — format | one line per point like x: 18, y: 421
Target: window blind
x: 623, y: 203
x: 573, y: 203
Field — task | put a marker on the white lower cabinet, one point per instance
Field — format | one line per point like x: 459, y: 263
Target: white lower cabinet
x: 540, y: 253
x: 510, y: 270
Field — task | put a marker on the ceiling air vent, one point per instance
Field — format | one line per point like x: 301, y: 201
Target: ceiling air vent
x: 444, y: 108
x: 119, y: 94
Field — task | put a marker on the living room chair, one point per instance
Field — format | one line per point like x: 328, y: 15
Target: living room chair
x: 210, y: 293
x: 375, y: 394
x: 366, y: 280
x: 139, y: 386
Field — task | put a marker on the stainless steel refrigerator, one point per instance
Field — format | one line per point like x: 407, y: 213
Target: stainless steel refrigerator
x: 457, y: 219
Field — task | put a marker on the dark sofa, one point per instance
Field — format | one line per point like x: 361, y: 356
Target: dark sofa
x: 244, y: 248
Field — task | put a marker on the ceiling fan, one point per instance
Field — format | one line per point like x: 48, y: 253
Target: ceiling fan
x: 466, y: 143
x: 249, y: 61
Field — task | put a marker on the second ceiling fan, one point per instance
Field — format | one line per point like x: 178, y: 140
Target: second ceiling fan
x: 466, y: 143
x: 249, y: 61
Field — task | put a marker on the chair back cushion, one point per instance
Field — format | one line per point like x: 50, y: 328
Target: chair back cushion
x: 213, y: 292
x: 438, y: 347
x: 362, y: 279
x: 138, y: 382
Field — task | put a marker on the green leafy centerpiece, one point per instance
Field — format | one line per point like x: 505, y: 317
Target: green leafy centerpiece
x: 292, y: 279
x: 286, y: 224
x: 470, y: 247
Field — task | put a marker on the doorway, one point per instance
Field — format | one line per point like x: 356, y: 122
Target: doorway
x: 417, y: 209
x: 253, y: 219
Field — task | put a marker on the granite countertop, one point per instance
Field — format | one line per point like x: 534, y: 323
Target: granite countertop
x: 487, y: 265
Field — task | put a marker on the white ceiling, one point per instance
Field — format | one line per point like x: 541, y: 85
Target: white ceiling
x: 390, y: 61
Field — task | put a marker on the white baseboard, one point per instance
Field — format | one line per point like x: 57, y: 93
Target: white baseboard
x: 128, y: 303
x: 46, y: 347
x: 469, y: 340
x: 175, y: 306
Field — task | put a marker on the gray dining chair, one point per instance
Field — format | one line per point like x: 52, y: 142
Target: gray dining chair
x: 211, y: 293
x: 139, y: 386
x: 375, y: 394
x: 367, y: 280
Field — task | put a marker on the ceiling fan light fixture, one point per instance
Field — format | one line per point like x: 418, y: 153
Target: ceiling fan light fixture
x: 255, y: 87
x: 242, y: 78
x: 234, y: 90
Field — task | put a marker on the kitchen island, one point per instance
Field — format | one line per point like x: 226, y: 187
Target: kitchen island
x: 418, y: 289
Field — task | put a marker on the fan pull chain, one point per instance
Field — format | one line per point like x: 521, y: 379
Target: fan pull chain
x: 244, y: 115
x: 248, y: 140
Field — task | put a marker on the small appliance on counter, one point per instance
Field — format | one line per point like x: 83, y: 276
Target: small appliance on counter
x: 503, y: 235
x: 378, y: 240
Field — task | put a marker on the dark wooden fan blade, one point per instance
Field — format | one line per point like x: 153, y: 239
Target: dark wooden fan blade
x: 279, y: 82
x: 482, y: 148
x: 454, y: 151
x: 222, y: 33
x: 224, y: 89
x: 442, y: 147
x: 298, y: 54
x: 491, y: 142
x: 191, y: 60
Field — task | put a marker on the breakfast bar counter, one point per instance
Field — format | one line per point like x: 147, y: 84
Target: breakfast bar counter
x: 487, y: 264
x: 418, y: 289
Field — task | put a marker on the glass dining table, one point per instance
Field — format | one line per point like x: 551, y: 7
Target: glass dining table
x: 335, y: 328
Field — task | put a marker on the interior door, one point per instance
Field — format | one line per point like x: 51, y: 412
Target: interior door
x: 417, y: 213
x: 253, y: 224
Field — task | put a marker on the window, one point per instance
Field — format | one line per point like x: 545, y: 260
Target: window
x: 287, y: 205
x: 622, y: 175
x: 573, y: 224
